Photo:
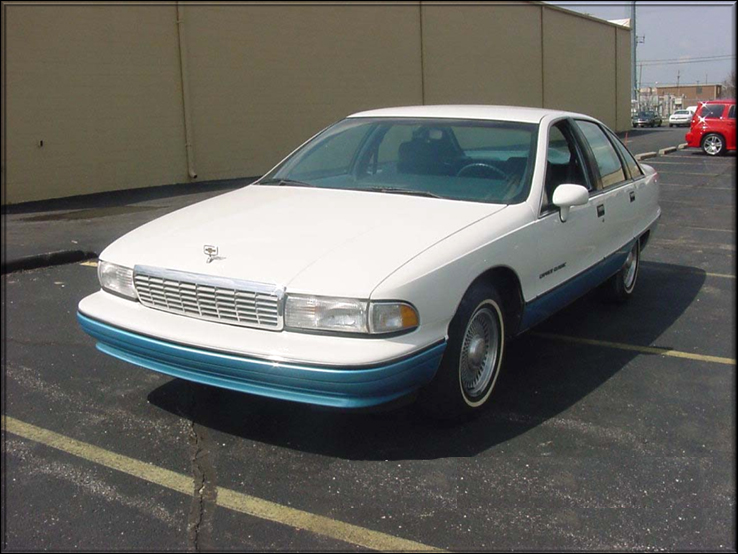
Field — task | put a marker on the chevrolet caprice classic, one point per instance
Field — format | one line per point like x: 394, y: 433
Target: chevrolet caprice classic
x: 396, y: 252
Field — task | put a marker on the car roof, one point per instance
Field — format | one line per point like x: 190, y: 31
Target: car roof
x: 720, y: 101
x: 495, y: 113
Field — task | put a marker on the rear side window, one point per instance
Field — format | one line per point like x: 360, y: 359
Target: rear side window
x: 731, y: 112
x: 608, y: 162
x: 712, y: 111
x: 631, y: 164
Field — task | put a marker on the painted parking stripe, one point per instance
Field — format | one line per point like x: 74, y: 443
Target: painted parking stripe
x: 687, y: 270
x: 90, y: 263
x: 696, y: 187
x: 226, y: 498
x: 676, y: 226
x: 641, y: 349
x: 670, y: 160
x: 664, y: 172
x: 698, y: 204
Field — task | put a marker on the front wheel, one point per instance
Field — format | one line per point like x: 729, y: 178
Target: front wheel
x: 620, y: 287
x: 713, y: 145
x: 473, y: 357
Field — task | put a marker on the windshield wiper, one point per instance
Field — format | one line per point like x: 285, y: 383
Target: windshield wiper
x: 409, y: 192
x: 287, y: 182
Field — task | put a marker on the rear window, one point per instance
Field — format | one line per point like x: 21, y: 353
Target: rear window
x: 712, y: 111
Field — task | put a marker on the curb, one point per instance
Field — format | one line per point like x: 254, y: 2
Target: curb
x: 645, y: 156
x: 36, y: 261
x: 667, y: 150
x: 682, y: 146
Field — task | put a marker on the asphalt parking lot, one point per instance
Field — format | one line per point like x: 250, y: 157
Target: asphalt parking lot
x: 613, y: 427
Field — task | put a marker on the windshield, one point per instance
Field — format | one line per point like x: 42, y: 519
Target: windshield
x: 478, y: 161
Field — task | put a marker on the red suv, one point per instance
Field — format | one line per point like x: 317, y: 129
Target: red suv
x: 713, y: 127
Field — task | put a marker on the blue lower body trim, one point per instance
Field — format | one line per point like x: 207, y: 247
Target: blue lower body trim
x: 327, y: 386
x: 548, y: 304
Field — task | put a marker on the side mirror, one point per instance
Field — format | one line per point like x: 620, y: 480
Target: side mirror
x: 566, y: 196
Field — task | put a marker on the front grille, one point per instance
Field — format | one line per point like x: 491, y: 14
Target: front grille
x: 208, y: 297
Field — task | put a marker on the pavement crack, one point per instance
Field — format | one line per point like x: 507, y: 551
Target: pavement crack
x: 205, y: 489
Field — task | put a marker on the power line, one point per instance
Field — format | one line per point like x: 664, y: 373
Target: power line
x: 691, y: 59
x: 688, y: 61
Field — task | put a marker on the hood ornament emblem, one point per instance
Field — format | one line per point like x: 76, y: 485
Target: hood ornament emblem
x: 211, y: 252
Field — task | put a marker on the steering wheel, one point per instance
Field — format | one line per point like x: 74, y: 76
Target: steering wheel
x: 479, y: 167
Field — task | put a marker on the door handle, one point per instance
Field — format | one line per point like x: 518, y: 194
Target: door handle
x: 600, y: 210
x: 632, y: 196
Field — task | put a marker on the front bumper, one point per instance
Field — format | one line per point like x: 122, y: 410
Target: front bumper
x: 347, y: 387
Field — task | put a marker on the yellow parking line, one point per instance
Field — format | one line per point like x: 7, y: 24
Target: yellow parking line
x: 702, y: 187
x: 697, y: 204
x: 697, y: 228
x: 641, y: 349
x: 226, y: 498
x: 663, y: 172
x: 689, y: 270
x: 89, y: 263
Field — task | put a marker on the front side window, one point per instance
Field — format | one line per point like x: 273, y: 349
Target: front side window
x: 731, y: 112
x: 607, y: 160
x: 478, y: 161
x: 563, y: 163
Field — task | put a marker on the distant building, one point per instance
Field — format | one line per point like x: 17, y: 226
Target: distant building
x: 690, y: 95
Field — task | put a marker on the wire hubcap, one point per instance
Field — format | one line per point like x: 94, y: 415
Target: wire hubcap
x: 479, y: 353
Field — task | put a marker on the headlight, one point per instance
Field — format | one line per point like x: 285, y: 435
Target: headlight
x: 116, y: 279
x: 348, y: 315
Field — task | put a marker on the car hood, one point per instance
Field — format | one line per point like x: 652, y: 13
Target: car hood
x: 318, y: 241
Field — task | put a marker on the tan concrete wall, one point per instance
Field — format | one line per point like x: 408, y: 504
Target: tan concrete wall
x: 100, y: 86
x: 265, y: 78
x: 579, y: 65
x: 482, y: 54
x: 622, y: 38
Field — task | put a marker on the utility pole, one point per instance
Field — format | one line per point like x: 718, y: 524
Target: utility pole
x: 633, y: 46
x: 634, y: 40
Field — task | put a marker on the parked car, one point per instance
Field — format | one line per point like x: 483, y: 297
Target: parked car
x: 396, y: 251
x: 713, y: 127
x: 680, y: 118
x: 647, y: 119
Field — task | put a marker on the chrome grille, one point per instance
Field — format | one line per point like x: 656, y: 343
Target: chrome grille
x: 232, y: 301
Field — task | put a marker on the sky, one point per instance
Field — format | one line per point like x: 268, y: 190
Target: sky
x: 675, y: 31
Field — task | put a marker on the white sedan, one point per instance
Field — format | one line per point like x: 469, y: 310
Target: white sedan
x: 396, y: 252
x: 680, y: 117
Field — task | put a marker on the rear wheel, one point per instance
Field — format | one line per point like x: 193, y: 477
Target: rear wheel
x: 620, y: 287
x: 713, y: 145
x: 471, y: 364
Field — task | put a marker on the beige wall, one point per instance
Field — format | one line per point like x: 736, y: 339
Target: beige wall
x: 579, y: 66
x: 101, y: 85
x: 622, y: 106
x: 481, y: 54
x: 265, y: 78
